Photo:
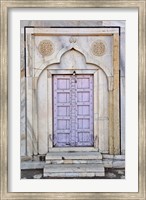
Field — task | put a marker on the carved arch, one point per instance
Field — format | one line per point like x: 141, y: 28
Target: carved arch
x: 88, y: 58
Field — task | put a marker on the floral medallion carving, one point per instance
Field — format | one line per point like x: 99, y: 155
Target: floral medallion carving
x: 98, y: 48
x: 46, y: 48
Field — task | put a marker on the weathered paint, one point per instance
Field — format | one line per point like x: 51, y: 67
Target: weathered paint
x: 73, y: 110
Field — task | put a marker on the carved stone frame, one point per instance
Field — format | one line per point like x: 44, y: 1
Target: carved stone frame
x: 94, y: 72
x: 113, y: 87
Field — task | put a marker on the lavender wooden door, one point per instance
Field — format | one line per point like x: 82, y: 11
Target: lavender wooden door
x: 73, y: 110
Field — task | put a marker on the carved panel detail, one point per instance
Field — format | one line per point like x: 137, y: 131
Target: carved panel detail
x: 72, y: 40
x: 98, y: 48
x: 46, y: 48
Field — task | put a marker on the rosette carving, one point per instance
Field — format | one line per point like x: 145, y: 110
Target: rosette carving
x: 46, y: 48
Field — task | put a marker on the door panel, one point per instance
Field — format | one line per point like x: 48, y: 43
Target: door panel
x: 61, y: 100
x: 73, y: 110
x: 84, y: 110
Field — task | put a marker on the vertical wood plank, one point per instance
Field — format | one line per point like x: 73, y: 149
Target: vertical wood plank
x: 84, y: 110
x: 61, y: 105
x: 116, y: 94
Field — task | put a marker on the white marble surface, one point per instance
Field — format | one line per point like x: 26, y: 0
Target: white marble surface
x: 22, y: 118
x: 37, y: 60
x: 103, y: 112
x: 122, y: 83
x: 83, y: 44
x: 42, y: 114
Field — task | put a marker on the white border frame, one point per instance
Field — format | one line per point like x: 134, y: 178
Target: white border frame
x: 130, y: 184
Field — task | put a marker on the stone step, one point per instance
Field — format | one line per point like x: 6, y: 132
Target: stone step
x: 76, y: 170
x: 73, y: 156
x: 72, y: 161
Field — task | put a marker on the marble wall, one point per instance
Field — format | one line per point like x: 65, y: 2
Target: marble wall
x: 37, y: 60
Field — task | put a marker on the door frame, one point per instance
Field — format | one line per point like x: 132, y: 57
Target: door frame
x: 88, y: 70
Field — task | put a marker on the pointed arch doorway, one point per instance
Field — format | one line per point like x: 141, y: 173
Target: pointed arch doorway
x: 77, y: 105
x: 76, y: 56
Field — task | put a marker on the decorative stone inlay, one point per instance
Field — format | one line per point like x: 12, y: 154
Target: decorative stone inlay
x: 98, y: 48
x: 72, y: 40
x: 46, y: 48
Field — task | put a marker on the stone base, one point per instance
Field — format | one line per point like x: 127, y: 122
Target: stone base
x: 73, y: 164
x: 108, y: 161
x: 73, y: 170
x: 73, y: 156
x: 110, y: 173
x: 113, y: 161
x: 32, y: 165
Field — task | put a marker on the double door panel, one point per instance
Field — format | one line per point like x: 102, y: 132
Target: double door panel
x: 73, y: 110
